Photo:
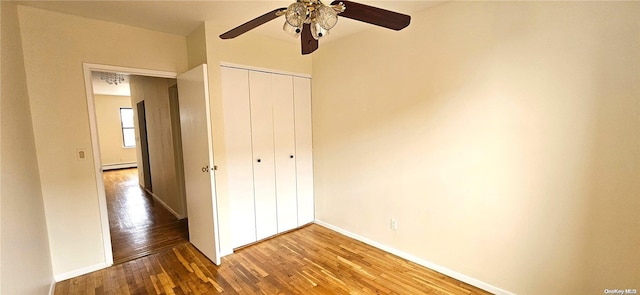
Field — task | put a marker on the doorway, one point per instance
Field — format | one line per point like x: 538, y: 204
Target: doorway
x: 139, y: 225
x: 139, y: 219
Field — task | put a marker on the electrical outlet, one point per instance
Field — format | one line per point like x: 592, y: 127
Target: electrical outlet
x: 393, y: 224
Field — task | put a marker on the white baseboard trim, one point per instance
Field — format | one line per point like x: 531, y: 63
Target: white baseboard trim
x: 119, y: 166
x: 79, y: 272
x: 226, y: 252
x: 52, y: 287
x: 441, y: 269
x: 179, y: 216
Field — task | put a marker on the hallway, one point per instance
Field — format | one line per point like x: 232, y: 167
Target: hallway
x: 139, y: 225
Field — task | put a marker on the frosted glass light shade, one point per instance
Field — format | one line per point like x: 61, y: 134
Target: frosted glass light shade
x: 326, y: 17
x: 296, y: 14
x: 317, y: 31
x: 291, y: 30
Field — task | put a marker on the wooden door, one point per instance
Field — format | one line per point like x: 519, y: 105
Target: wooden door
x: 195, y: 122
x: 304, y: 155
x: 239, y: 157
x: 261, y: 101
x: 144, y: 145
x: 285, y: 151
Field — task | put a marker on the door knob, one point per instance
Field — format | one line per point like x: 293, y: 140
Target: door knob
x: 205, y: 169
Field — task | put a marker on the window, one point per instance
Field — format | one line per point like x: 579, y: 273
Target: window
x: 128, y: 132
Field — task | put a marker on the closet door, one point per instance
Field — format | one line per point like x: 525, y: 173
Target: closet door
x: 239, y: 160
x: 285, y: 150
x: 303, y: 142
x: 261, y: 98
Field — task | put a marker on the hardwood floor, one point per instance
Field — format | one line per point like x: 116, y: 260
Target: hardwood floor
x: 139, y: 225
x: 311, y: 260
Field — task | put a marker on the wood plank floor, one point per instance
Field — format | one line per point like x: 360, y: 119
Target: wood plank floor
x: 139, y: 225
x: 311, y: 260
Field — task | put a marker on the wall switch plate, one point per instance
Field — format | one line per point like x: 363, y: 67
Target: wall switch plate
x: 393, y: 224
x: 81, y: 154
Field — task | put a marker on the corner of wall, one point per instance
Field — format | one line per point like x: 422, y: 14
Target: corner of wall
x: 52, y: 287
x: 197, y: 47
x: 21, y: 191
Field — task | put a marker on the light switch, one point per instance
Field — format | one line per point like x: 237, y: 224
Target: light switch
x: 81, y: 154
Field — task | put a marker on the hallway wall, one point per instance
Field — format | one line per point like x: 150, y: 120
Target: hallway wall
x: 165, y: 177
x: 112, y: 150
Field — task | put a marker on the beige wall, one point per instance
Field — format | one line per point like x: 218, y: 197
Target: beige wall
x: 250, y: 50
x: 502, y: 136
x: 55, y: 46
x: 112, y: 150
x: 162, y: 158
x: 197, y: 47
x: 26, y: 263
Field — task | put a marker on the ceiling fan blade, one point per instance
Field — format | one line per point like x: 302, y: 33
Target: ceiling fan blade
x: 252, y: 24
x: 373, y: 15
x: 309, y: 44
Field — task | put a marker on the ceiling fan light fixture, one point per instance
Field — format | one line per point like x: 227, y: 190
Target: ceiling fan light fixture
x: 317, y: 31
x: 296, y: 14
x: 326, y: 17
x: 291, y: 30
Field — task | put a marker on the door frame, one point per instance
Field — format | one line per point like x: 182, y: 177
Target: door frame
x: 95, y: 144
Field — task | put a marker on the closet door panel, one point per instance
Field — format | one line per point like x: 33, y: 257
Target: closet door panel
x: 261, y: 100
x: 304, y: 156
x: 285, y: 146
x: 239, y: 161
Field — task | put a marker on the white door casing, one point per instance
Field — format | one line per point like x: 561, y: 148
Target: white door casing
x: 195, y: 121
x: 88, y: 68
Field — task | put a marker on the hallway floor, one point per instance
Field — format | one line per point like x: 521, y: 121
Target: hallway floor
x: 139, y: 225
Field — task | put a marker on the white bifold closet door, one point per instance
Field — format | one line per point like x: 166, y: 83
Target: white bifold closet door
x: 264, y: 176
x: 267, y: 118
x: 285, y: 151
x: 303, y: 142
x: 239, y: 158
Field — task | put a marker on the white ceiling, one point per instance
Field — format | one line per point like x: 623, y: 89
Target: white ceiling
x: 182, y: 17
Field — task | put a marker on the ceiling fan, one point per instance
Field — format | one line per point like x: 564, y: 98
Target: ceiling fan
x: 311, y: 20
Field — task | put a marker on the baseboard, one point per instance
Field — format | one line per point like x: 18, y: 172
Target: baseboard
x: 441, y: 269
x: 119, y: 166
x: 226, y: 252
x: 179, y: 216
x: 79, y: 272
x: 52, y: 287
